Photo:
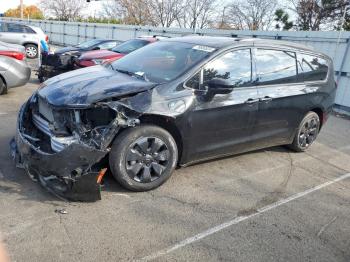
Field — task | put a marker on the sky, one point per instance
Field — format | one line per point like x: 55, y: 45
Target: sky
x: 7, y: 4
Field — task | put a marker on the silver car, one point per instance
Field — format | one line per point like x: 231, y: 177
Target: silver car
x: 14, y: 70
x: 21, y: 34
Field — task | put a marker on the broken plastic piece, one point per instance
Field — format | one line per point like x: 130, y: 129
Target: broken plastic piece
x: 101, y: 175
x: 61, y: 211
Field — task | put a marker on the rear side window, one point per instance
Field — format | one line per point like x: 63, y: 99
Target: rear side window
x: 235, y: 66
x: 275, y: 67
x: 15, y: 28
x: 312, y: 68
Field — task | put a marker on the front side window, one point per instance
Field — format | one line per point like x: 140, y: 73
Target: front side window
x: 275, y: 67
x: 235, y: 66
x: 194, y: 81
x: 312, y: 68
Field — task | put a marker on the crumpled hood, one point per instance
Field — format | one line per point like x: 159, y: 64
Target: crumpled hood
x: 99, y: 54
x: 89, y: 85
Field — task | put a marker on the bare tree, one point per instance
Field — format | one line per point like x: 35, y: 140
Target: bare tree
x: 252, y: 14
x: 66, y: 10
x: 134, y: 12
x: 112, y: 10
x: 166, y: 12
x: 197, y: 14
x: 312, y: 14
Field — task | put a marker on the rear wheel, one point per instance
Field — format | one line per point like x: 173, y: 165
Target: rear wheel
x: 31, y: 51
x: 3, y: 87
x: 307, y: 132
x: 143, y: 158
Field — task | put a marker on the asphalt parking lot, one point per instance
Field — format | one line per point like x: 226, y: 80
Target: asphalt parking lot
x: 268, y: 205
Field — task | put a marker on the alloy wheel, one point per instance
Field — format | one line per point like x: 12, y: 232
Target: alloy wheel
x: 146, y: 159
x: 31, y: 51
x: 308, y: 132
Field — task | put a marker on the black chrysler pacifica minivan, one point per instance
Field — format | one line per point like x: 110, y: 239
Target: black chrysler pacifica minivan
x: 169, y: 104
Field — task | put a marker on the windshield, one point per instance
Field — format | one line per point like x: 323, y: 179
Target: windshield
x: 88, y: 44
x: 162, y: 61
x: 130, y: 46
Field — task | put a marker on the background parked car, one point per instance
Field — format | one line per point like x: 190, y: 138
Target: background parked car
x: 14, y: 70
x: 25, y: 35
x: 63, y: 59
x: 94, y: 44
x: 98, y: 57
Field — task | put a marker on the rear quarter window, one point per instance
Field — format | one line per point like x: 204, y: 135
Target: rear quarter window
x: 15, y: 28
x: 312, y: 68
x: 28, y: 30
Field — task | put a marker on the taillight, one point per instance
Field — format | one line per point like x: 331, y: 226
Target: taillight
x: 46, y: 39
x: 13, y: 54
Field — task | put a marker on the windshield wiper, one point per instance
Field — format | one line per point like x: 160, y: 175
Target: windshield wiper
x: 135, y: 74
x: 124, y: 71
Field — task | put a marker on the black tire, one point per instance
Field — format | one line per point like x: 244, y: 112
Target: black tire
x: 144, y: 157
x: 306, y: 133
x: 3, y: 87
x: 31, y: 51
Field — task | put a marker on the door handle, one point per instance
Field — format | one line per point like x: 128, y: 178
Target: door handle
x: 252, y: 100
x: 266, y: 99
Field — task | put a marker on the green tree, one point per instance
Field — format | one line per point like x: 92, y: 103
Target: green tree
x: 317, y: 14
x: 282, y: 20
x: 347, y: 24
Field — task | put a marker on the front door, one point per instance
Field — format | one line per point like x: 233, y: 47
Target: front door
x: 222, y: 124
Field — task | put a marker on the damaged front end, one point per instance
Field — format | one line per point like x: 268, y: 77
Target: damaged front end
x: 62, y: 147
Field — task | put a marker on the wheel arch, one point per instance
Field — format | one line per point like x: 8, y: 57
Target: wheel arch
x: 169, y: 125
x: 3, y: 79
x: 30, y: 43
x: 321, y: 114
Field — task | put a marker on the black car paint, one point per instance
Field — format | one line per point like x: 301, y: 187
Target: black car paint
x: 246, y: 119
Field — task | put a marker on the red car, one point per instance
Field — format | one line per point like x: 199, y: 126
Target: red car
x: 97, y: 57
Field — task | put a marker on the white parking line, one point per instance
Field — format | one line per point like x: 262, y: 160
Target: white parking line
x: 239, y: 219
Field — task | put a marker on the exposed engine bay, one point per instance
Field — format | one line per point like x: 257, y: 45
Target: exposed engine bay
x: 63, y: 147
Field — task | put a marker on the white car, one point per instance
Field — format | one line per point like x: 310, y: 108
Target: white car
x: 21, y: 34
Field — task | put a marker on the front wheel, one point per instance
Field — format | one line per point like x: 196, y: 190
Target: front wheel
x: 144, y: 157
x: 306, y: 133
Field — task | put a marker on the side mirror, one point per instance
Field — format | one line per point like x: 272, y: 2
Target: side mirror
x: 96, y: 48
x: 219, y: 86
